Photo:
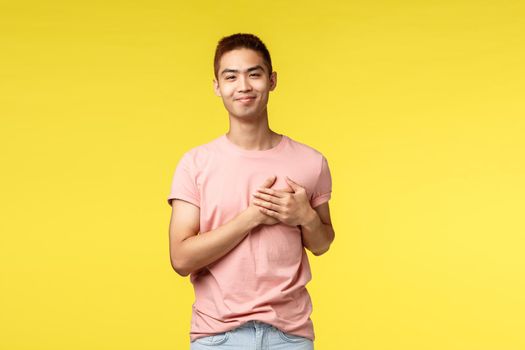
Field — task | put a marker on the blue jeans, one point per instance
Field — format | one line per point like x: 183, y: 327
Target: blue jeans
x: 253, y: 335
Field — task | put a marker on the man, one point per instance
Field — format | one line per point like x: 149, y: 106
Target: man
x: 244, y: 207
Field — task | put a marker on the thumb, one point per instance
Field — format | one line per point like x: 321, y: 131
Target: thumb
x: 293, y: 184
x: 269, y: 181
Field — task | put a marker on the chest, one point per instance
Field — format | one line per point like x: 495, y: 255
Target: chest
x: 227, y: 185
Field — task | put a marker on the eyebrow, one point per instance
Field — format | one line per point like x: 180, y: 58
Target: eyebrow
x: 229, y: 70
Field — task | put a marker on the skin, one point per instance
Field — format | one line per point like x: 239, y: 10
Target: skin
x: 246, y: 75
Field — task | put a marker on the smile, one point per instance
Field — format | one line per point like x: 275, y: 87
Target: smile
x: 246, y: 100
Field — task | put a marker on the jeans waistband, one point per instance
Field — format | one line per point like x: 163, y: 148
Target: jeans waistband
x: 255, y: 324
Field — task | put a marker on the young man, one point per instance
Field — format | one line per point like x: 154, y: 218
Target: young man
x: 244, y: 207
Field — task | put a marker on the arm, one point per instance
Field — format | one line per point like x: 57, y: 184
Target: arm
x: 190, y: 251
x: 317, y: 231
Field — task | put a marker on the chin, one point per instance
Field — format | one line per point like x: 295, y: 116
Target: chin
x: 243, y: 115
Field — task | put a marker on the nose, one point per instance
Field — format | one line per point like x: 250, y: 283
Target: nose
x: 244, y: 84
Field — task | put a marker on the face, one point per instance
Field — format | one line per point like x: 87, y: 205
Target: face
x: 243, y: 74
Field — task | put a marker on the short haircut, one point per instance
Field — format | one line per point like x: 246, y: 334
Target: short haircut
x: 237, y: 41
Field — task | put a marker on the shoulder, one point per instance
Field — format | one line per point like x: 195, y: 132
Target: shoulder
x: 198, y: 156
x: 306, y: 151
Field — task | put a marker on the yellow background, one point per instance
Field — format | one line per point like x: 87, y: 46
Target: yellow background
x: 417, y: 105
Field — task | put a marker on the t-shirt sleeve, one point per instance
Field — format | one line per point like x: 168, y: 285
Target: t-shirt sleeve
x: 183, y: 184
x: 323, y: 189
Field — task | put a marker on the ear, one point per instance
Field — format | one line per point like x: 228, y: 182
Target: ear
x: 216, y: 89
x: 273, y: 80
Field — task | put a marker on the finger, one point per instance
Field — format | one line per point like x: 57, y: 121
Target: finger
x: 294, y: 185
x: 273, y: 192
x: 267, y: 205
x: 268, y: 197
x: 269, y: 181
x: 289, y: 189
x: 271, y: 213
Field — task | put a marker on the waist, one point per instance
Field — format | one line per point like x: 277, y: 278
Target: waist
x: 255, y: 324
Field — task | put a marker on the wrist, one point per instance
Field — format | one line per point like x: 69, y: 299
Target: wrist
x: 253, y: 215
x: 311, y: 219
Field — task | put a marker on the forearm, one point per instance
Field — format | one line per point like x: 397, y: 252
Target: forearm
x: 316, y: 235
x: 203, y: 249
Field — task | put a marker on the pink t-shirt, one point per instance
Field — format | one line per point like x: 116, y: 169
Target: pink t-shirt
x: 264, y: 277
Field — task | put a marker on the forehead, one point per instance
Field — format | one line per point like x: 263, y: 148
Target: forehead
x: 240, y: 59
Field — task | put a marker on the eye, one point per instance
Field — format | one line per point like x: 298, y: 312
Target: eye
x: 256, y: 74
x: 231, y: 76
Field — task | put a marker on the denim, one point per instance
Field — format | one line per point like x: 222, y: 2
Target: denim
x: 253, y: 335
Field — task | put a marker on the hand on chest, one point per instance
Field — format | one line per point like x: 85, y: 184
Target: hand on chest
x: 229, y: 187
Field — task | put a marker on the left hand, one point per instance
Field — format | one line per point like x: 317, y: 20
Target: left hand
x: 291, y: 208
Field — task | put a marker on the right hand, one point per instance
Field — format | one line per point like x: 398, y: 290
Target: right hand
x: 261, y: 217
